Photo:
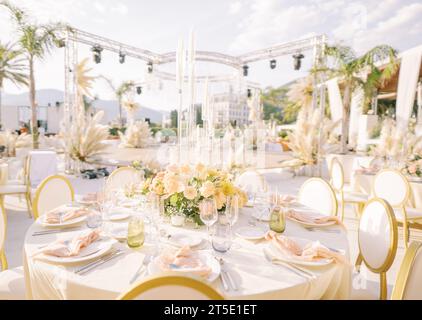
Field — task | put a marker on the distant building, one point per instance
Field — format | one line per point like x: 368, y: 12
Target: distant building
x: 230, y: 108
x: 14, y: 117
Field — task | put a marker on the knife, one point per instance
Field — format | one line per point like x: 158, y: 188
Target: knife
x: 98, y: 262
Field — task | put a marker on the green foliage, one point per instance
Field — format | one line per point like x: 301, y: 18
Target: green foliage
x: 114, y: 131
x: 12, y: 67
x: 173, y: 118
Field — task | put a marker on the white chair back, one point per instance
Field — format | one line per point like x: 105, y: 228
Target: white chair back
x: 53, y: 192
x: 252, y: 181
x: 171, y: 287
x: 40, y: 165
x: 409, y: 278
x: 392, y: 186
x: 316, y: 193
x: 377, y: 235
x: 122, y: 177
x: 337, y: 174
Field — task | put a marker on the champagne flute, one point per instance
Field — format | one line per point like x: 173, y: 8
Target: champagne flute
x: 232, y: 209
x: 208, y: 212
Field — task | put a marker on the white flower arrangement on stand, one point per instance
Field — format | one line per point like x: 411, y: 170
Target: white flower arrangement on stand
x: 12, y: 141
x: 396, y: 144
x: 305, y: 139
x: 86, y: 137
x: 137, y: 134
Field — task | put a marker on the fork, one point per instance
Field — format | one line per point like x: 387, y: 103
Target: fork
x: 145, y: 263
x: 314, y: 229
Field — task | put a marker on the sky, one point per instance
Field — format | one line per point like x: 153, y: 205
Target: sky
x: 227, y: 26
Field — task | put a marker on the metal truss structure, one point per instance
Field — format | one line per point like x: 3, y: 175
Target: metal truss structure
x: 73, y: 36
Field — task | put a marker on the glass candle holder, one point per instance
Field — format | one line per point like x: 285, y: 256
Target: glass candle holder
x: 277, y: 220
x: 136, y: 232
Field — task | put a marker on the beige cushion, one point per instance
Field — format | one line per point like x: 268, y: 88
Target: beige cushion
x: 412, y: 214
x: 12, y: 188
x: 12, y: 284
x: 355, y: 197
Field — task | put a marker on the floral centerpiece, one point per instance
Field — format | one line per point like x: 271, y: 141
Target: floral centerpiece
x: 413, y: 166
x: 183, y: 187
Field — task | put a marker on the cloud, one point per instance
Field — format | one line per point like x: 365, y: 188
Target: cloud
x: 235, y: 7
x: 362, y: 24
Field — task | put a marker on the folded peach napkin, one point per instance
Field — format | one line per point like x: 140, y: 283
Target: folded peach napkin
x: 283, y: 199
x: 64, y: 213
x: 70, y: 248
x: 184, y: 260
x: 308, y: 217
x: 90, y: 197
x: 313, y: 251
x: 370, y: 170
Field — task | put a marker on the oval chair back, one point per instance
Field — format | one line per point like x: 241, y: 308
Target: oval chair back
x: 52, y: 192
x: 171, y: 287
x: 392, y: 186
x: 377, y: 238
x: 409, y: 278
x: 252, y: 181
x: 122, y: 177
x: 3, y: 230
x: 316, y: 193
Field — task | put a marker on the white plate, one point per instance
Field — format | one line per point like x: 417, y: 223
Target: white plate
x: 69, y: 223
x: 80, y: 199
x: 119, y: 231
x: 302, y: 243
x: 206, y: 257
x: 264, y: 217
x: 129, y: 203
x: 98, y: 248
x: 119, y: 214
x: 180, y: 240
x: 250, y: 233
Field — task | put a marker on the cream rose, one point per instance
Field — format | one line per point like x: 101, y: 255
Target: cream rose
x: 207, y: 189
x: 185, y: 169
x: 172, y: 168
x: 190, y: 193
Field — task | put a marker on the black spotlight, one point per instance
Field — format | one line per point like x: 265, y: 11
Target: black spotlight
x: 97, y: 53
x: 150, y: 67
x: 245, y: 70
x: 139, y: 90
x: 122, y: 57
x: 273, y: 63
x: 249, y: 93
x: 298, y: 60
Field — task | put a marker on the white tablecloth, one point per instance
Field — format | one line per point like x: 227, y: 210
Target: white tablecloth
x: 257, y: 278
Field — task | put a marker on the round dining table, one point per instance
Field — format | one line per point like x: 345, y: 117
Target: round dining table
x: 255, y: 276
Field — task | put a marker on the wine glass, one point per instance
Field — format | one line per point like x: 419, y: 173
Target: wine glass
x: 208, y: 212
x: 232, y: 209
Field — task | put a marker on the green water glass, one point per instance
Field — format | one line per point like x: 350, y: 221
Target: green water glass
x: 277, y: 220
x: 136, y: 232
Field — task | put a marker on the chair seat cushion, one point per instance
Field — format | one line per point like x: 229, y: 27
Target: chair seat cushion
x: 12, y: 284
x: 12, y: 188
x: 363, y: 294
x: 355, y: 197
x: 412, y: 214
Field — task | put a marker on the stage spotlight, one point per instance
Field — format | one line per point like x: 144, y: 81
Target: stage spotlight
x: 150, y: 67
x: 297, y: 62
x: 122, y: 57
x: 249, y: 93
x: 245, y: 70
x: 138, y: 89
x: 97, y: 53
x: 273, y: 63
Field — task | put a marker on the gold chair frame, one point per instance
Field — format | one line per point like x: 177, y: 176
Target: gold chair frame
x: 166, y: 279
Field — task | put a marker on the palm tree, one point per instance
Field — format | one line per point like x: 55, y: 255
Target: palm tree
x: 124, y: 88
x: 12, y: 67
x: 36, y: 41
x: 359, y: 71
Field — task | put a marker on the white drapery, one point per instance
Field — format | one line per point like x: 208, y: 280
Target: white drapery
x: 355, y: 113
x: 408, y: 79
x: 336, y: 103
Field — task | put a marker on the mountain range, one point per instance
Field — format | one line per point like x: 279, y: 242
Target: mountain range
x: 49, y: 97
